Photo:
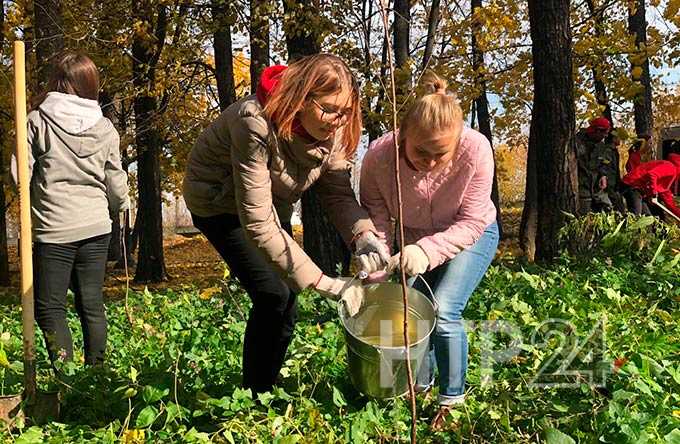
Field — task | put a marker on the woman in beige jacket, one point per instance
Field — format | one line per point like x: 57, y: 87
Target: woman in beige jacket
x: 245, y: 172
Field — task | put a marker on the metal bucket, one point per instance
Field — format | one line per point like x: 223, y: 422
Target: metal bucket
x: 375, y: 339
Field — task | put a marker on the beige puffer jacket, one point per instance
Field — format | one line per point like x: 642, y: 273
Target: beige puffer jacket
x: 240, y: 166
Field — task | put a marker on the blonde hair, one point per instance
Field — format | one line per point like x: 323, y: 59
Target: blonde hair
x: 311, y: 77
x: 435, y: 110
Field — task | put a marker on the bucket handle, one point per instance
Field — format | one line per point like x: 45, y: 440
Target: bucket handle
x: 432, y: 298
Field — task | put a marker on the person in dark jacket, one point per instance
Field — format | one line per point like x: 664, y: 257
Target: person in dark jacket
x: 591, y: 177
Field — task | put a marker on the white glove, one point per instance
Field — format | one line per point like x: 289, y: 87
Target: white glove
x: 348, y: 291
x: 371, y: 262
x: 372, y: 253
x: 415, y: 260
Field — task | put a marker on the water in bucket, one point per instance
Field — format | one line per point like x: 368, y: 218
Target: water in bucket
x: 375, y: 339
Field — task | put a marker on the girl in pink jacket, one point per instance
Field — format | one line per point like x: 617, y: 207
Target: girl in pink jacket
x: 450, y: 226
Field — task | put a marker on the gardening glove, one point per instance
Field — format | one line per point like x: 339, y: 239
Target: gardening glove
x: 348, y: 291
x: 371, y: 252
x: 415, y: 260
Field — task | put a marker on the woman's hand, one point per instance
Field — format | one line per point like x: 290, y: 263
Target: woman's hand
x: 415, y: 260
x: 348, y: 291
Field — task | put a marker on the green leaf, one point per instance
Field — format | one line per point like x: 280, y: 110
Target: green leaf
x: 152, y: 394
x: 673, y: 437
x: 338, y: 399
x: 34, y: 435
x: 133, y: 374
x: 147, y: 416
x: 554, y: 436
x: 4, y: 362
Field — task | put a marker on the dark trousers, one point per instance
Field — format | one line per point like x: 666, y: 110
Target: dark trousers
x: 274, y: 310
x: 82, y: 266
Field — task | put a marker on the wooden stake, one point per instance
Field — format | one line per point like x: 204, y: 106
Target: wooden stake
x: 25, y: 245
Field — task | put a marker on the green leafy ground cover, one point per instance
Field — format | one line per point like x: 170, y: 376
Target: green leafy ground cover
x: 173, y: 376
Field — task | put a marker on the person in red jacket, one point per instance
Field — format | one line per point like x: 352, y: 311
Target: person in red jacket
x: 656, y: 179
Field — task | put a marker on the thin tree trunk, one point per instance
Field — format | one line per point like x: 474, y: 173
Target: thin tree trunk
x: 600, y: 88
x: 482, y: 105
x: 151, y: 263
x: 432, y: 24
x: 529, y: 224
x: 4, y: 256
x: 49, y: 35
x: 259, y: 40
x: 321, y: 240
x: 224, y: 60
x: 642, y: 105
x: 401, y: 31
x: 552, y: 120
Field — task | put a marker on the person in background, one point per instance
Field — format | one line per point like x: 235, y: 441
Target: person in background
x: 656, y: 179
x: 243, y: 175
x: 77, y: 182
x: 634, y: 201
x: 450, y: 226
x: 609, y: 161
x: 592, y: 180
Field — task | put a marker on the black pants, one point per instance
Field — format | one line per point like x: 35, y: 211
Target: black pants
x: 82, y: 266
x: 274, y: 310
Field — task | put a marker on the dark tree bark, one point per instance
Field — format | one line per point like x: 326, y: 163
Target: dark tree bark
x: 482, y: 106
x: 259, y: 40
x: 321, y: 240
x: 4, y: 256
x: 145, y: 55
x: 401, y: 31
x: 552, y: 120
x: 49, y: 35
x: 642, y: 105
x: 600, y: 88
x: 432, y: 24
x: 303, y: 38
x: 224, y: 60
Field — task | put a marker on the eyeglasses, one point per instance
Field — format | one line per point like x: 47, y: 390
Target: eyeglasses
x: 332, y: 115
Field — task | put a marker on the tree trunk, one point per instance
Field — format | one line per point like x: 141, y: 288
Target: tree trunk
x: 600, y: 88
x: 224, y: 60
x: 302, y: 37
x: 432, y: 23
x: 150, y: 263
x: 401, y: 32
x: 482, y: 105
x: 552, y: 120
x: 321, y: 240
x: 529, y: 223
x: 259, y: 40
x: 4, y: 256
x: 49, y: 35
x: 642, y: 105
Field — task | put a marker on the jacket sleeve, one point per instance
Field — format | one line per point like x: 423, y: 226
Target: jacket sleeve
x: 667, y: 198
x: 337, y: 196
x: 252, y: 185
x: 373, y: 200
x: 116, y: 179
x: 31, y: 135
x: 474, y: 215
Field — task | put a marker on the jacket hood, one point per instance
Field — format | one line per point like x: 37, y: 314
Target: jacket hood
x: 78, y: 122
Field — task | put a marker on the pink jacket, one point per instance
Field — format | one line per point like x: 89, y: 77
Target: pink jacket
x: 444, y: 211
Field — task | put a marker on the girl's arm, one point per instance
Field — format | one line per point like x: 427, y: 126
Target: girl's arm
x: 335, y: 191
x: 372, y: 199
x: 116, y: 179
x: 254, y: 203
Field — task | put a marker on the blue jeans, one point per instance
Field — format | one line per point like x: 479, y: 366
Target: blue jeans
x: 452, y: 283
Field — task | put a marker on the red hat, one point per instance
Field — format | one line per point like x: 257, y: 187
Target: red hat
x: 600, y: 123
